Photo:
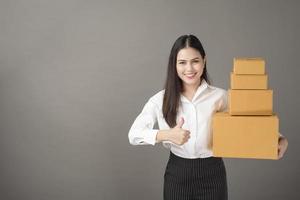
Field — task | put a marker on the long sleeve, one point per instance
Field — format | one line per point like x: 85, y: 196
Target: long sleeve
x: 141, y: 131
x: 223, y: 103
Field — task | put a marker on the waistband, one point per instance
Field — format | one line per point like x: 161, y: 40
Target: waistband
x: 194, y: 162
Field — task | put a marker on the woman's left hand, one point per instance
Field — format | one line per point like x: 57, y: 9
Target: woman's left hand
x: 282, y: 146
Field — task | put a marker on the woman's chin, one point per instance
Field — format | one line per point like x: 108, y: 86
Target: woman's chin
x: 192, y: 81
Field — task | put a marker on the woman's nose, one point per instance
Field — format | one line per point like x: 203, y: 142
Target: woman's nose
x: 189, y: 65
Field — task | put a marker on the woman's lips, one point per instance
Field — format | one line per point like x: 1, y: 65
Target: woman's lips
x: 190, y: 76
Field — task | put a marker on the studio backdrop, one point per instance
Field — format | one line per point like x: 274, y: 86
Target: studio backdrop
x: 75, y: 74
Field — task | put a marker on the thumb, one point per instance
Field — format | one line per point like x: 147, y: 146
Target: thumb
x: 180, y: 123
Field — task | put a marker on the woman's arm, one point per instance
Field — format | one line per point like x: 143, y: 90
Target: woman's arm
x: 141, y: 131
x: 162, y: 135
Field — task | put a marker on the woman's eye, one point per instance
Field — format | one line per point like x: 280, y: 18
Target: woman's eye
x: 181, y: 63
x: 196, y: 61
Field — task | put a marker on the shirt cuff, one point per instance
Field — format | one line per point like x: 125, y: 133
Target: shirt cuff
x: 150, y: 136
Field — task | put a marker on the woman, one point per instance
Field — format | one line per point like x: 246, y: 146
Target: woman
x: 184, y: 110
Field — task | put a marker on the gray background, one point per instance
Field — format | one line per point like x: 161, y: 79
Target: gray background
x: 75, y: 74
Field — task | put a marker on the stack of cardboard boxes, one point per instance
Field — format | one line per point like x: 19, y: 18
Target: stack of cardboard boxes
x: 250, y: 128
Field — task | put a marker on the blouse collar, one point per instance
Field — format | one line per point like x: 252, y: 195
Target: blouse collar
x: 201, y: 88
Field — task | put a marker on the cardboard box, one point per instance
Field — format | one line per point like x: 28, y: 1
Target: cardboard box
x: 246, y: 81
x: 248, y: 66
x: 250, y: 102
x: 245, y: 136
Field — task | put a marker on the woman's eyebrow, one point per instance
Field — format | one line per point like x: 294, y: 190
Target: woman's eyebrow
x: 191, y: 59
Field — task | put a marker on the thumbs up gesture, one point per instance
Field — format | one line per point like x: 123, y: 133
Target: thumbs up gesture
x: 178, y: 135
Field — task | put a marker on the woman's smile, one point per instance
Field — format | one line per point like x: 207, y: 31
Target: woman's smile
x: 191, y: 76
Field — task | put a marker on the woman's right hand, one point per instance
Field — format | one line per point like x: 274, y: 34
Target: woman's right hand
x: 178, y: 135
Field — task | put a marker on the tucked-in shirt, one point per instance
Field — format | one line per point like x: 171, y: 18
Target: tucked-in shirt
x: 197, y: 115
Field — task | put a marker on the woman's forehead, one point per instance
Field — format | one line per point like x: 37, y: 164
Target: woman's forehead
x: 188, y: 54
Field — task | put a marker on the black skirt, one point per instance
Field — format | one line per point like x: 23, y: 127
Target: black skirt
x: 200, y: 178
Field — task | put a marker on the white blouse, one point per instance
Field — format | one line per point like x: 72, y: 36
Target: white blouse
x: 197, y: 116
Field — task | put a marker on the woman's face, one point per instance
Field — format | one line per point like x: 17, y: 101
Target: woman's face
x: 189, y: 66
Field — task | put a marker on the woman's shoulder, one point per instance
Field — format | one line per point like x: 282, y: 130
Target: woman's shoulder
x: 217, y: 90
x: 157, y: 98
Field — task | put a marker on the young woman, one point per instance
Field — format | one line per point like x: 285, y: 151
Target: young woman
x: 184, y: 111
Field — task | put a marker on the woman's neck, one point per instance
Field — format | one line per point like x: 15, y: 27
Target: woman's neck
x: 189, y: 91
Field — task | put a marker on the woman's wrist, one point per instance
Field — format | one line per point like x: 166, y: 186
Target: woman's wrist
x: 162, y: 135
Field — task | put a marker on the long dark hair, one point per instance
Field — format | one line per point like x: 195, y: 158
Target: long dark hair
x: 173, y: 84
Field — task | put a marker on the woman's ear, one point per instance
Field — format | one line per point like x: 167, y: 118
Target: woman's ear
x: 204, y: 60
